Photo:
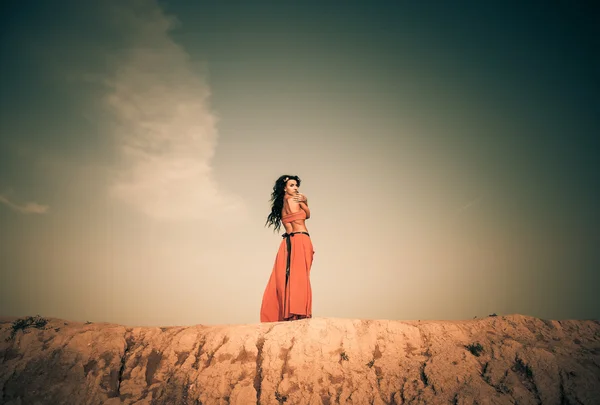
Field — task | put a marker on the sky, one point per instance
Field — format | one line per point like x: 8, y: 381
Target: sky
x: 448, y: 152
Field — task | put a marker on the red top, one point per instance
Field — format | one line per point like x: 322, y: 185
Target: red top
x: 286, y: 219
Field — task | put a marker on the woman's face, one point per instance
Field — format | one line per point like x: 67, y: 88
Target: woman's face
x: 291, y: 187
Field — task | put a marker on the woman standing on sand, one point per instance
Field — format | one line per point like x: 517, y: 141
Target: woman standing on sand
x: 288, y: 295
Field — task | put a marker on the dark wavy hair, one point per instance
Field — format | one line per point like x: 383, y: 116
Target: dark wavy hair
x: 274, y: 217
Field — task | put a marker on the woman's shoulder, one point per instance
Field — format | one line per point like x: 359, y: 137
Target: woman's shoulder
x: 290, y: 206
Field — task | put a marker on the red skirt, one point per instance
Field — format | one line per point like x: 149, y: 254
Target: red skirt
x: 288, y: 293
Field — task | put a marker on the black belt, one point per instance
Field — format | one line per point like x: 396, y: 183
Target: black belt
x: 287, y: 235
x: 288, y: 243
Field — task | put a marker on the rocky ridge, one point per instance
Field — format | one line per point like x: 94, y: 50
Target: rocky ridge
x: 495, y: 360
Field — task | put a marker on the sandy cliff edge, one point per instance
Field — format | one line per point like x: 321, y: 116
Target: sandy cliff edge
x: 494, y: 360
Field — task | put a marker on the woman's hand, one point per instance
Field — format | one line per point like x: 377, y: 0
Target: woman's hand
x: 300, y: 198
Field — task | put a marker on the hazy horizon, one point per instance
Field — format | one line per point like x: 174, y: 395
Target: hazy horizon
x: 448, y: 155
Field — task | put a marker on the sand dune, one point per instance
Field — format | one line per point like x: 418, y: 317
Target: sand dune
x: 496, y: 360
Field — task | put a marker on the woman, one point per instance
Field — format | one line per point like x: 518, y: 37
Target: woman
x: 288, y: 295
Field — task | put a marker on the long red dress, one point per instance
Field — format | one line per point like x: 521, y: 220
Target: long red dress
x: 286, y: 297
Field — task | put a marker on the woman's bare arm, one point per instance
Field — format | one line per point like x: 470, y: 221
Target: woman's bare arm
x: 304, y: 206
x: 291, y: 206
x: 302, y: 201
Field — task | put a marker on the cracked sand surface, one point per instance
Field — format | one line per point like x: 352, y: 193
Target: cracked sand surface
x: 325, y: 361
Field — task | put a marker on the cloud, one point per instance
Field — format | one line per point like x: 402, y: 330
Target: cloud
x: 469, y: 204
x: 162, y: 123
x: 28, y: 208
